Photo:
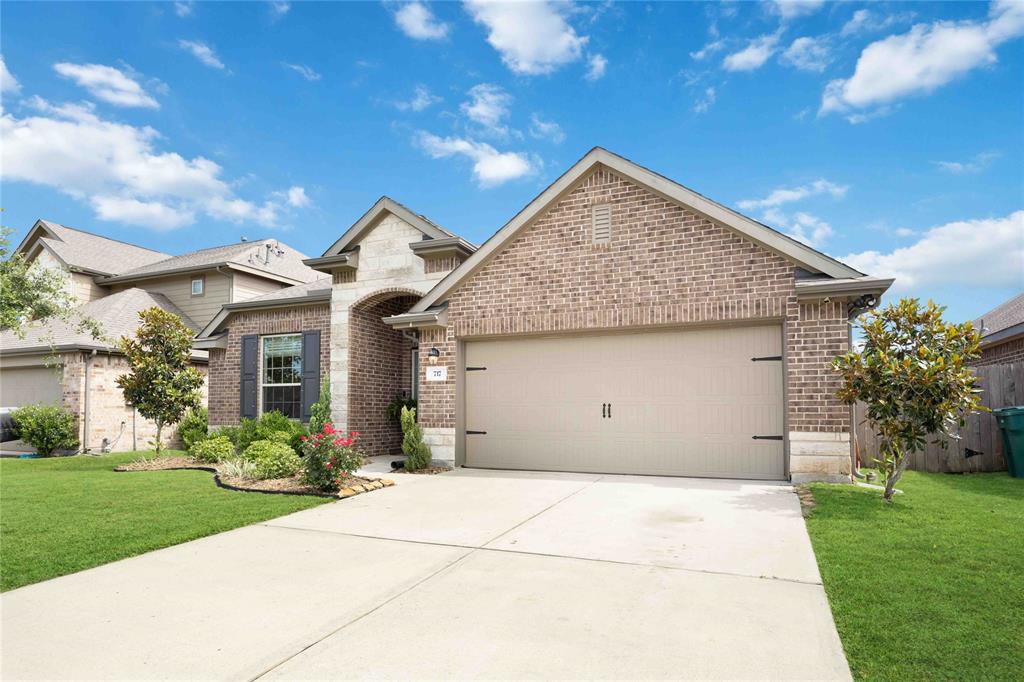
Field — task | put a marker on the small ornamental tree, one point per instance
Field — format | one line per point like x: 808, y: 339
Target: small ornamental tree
x: 417, y: 453
x: 913, y: 376
x: 161, y: 384
x: 320, y: 411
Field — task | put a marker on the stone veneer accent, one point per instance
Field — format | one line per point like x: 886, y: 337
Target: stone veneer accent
x: 107, y: 408
x: 225, y: 364
x: 664, y: 266
x: 1001, y: 353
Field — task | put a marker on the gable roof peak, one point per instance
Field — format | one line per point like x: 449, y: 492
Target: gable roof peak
x: 386, y: 204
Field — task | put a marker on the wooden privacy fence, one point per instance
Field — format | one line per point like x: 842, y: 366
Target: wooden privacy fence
x: 1002, y: 386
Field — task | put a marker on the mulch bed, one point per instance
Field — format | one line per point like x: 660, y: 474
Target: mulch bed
x: 281, y: 486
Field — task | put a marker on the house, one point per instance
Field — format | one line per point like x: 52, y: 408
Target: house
x: 1002, y: 333
x: 113, y: 281
x: 619, y: 323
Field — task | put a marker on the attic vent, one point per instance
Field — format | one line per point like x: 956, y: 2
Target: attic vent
x: 602, y: 223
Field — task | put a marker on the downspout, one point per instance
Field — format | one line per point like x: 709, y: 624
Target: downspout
x: 854, y: 309
x: 86, y: 403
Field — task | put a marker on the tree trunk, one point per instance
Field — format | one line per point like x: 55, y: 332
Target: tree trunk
x: 159, y: 428
x: 890, y: 482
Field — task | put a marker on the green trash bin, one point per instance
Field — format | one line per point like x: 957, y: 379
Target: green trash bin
x: 1011, y: 425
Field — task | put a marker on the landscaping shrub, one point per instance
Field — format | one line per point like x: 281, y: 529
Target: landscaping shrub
x: 272, y: 459
x: 232, y: 433
x: 239, y: 468
x: 264, y: 428
x: 194, y: 427
x: 329, y: 458
x: 320, y: 411
x: 46, y: 428
x: 417, y: 453
x: 397, y: 404
x: 212, y: 450
x: 282, y: 437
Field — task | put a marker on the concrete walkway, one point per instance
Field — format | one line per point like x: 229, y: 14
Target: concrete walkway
x: 469, y: 574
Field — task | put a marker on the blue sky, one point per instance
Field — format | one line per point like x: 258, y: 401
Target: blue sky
x: 887, y: 134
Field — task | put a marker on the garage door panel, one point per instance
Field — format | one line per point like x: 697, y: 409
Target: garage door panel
x: 30, y: 385
x: 683, y: 403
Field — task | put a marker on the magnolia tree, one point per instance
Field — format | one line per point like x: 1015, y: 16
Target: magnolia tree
x: 161, y: 384
x: 912, y: 375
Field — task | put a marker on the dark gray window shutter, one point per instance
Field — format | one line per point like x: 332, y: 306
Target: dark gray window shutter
x: 310, y: 371
x: 250, y: 367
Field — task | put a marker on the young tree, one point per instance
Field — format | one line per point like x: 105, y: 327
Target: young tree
x: 29, y: 293
x: 161, y: 384
x: 912, y: 374
x: 320, y: 411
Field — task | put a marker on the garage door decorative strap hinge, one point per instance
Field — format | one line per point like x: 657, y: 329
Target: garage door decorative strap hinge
x: 475, y: 369
x: 476, y: 433
x: 766, y: 437
x: 767, y: 358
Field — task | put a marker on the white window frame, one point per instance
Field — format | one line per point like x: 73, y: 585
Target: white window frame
x: 202, y: 286
x: 414, y: 385
x: 261, y: 384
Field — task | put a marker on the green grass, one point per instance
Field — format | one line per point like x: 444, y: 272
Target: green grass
x: 932, y: 586
x: 62, y: 515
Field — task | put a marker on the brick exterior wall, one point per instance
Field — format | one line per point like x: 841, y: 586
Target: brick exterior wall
x: 379, y: 368
x: 225, y: 364
x: 107, y: 408
x: 1002, y: 353
x: 664, y: 265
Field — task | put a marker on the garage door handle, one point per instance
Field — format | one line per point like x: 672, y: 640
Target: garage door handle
x: 766, y: 437
x: 476, y: 433
x: 609, y: 410
x: 604, y: 410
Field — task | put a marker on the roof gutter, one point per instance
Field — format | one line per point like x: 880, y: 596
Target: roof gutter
x: 116, y: 279
x: 72, y: 348
x: 1003, y: 335
x: 349, y: 260
x: 823, y: 288
x: 433, y: 317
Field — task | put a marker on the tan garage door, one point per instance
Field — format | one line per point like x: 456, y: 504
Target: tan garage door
x: 29, y: 385
x: 681, y: 403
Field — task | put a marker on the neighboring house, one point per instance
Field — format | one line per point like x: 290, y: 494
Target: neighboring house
x: 114, y: 281
x: 619, y: 323
x: 1002, y: 333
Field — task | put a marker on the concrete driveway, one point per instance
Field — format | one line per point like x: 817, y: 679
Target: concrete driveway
x: 471, y: 574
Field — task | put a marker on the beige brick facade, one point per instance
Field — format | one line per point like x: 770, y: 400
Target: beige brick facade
x: 664, y: 266
x: 225, y: 364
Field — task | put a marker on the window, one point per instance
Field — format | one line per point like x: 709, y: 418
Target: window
x: 198, y: 286
x: 282, y: 374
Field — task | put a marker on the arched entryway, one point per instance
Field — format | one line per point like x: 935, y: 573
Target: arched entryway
x: 380, y: 367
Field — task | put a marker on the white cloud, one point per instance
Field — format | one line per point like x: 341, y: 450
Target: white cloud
x: 791, y: 9
x: 297, y: 197
x: 809, y: 229
x: 546, y: 130
x: 924, y: 59
x: 784, y: 195
x: 708, y: 50
x: 488, y: 106
x: 533, y: 38
x: 421, y: 99
x: 8, y: 83
x: 279, y: 9
x: 152, y: 214
x: 596, y: 66
x: 490, y: 167
x: 184, y: 9
x: 108, y: 84
x: 905, y: 232
x: 971, y: 253
x: 303, y: 70
x: 864, y: 20
x: 704, y: 102
x: 417, y: 21
x: 118, y: 169
x: 808, y: 54
x: 977, y: 164
x: 754, y: 55
x: 203, y: 53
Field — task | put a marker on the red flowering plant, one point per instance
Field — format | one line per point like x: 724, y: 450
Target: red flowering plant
x: 330, y: 457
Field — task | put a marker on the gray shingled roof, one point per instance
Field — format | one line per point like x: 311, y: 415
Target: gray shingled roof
x: 117, y: 314
x: 1002, y: 316
x: 246, y: 254
x: 95, y: 253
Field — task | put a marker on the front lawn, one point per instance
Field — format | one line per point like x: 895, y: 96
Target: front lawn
x: 62, y: 515
x: 932, y: 586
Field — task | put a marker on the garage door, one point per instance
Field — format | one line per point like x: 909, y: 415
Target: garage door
x: 28, y: 385
x: 702, y: 402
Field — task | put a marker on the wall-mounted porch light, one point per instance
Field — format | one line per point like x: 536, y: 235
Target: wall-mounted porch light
x: 433, y: 355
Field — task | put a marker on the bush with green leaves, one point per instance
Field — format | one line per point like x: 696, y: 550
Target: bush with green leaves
x: 272, y: 459
x: 251, y: 430
x: 194, y: 427
x: 238, y: 468
x: 329, y: 457
x: 212, y: 450
x: 417, y: 453
x: 396, y: 405
x: 230, y: 432
x: 46, y: 428
x: 320, y: 411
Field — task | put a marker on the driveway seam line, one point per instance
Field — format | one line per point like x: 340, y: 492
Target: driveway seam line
x: 484, y: 548
x: 545, y: 509
x: 360, y: 616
